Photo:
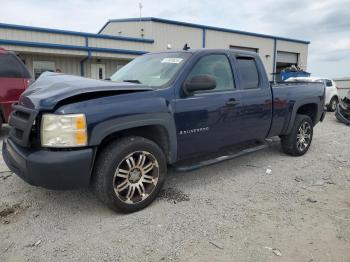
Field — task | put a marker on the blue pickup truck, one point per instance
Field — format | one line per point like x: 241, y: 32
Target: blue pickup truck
x: 160, y: 110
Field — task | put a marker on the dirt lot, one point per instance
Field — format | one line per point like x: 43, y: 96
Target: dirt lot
x: 231, y: 211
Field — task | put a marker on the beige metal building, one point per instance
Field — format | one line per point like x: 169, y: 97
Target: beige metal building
x: 120, y: 40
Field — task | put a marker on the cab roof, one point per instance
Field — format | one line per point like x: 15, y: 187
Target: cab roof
x: 208, y: 50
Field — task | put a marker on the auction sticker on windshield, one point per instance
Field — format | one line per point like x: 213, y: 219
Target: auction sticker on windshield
x: 172, y: 60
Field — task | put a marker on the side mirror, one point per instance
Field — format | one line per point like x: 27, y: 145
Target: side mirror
x: 200, y: 83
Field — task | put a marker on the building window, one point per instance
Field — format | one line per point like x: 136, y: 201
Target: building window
x: 40, y: 67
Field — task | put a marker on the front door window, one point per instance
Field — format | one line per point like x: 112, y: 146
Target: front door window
x: 218, y: 67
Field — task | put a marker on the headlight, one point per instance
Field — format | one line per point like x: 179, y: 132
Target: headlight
x: 63, y: 130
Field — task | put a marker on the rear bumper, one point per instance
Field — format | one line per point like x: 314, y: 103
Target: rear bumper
x: 49, y: 169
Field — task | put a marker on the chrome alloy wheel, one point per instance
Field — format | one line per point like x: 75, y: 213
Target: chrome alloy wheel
x: 303, y: 136
x: 136, y: 177
x: 334, y: 105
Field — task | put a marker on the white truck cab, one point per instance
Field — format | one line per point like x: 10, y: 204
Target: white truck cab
x: 332, y: 98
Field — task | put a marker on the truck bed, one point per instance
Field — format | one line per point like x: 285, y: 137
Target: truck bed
x: 287, y: 96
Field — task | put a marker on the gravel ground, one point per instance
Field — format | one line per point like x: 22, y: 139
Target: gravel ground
x: 233, y: 211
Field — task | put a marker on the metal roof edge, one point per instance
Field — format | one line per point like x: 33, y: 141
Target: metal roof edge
x: 70, y: 47
x: 166, y: 21
x: 66, y: 32
x: 346, y: 78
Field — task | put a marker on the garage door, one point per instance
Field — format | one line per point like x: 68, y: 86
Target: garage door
x: 287, y: 57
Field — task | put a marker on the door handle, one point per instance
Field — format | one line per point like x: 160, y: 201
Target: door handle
x: 232, y: 102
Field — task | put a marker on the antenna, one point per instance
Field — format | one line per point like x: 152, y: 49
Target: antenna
x: 186, y: 47
x: 141, y: 29
x: 140, y: 6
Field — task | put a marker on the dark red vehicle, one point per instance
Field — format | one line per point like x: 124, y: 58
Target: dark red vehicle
x: 14, y: 79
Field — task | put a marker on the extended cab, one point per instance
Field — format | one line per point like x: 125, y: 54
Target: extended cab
x: 14, y: 79
x: 160, y: 109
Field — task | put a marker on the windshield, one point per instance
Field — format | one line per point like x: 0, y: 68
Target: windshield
x: 154, y: 70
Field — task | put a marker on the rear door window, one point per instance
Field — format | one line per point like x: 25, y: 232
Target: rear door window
x: 248, y: 72
x: 10, y: 66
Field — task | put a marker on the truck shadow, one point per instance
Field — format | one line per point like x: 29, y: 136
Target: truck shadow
x: 177, y: 187
x: 226, y: 169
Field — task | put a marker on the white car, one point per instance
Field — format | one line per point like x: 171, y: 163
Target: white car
x: 332, y: 98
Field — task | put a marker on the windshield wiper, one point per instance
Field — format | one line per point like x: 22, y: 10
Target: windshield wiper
x: 132, y: 81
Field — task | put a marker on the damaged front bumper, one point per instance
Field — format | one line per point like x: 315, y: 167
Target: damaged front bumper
x: 49, y: 169
x: 343, y: 110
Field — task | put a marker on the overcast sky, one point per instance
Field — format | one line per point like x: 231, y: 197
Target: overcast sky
x: 325, y: 23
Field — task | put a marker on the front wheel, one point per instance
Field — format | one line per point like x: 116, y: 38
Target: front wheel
x: 299, y: 140
x: 129, y: 174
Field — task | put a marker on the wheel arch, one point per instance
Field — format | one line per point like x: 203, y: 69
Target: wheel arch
x: 310, y: 107
x: 159, y: 128
x: 309, y: 110
x: 335, y: 96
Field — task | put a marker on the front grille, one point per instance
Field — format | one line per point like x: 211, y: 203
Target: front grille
x: 21, y: 122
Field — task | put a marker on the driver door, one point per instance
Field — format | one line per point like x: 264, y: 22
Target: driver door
x: 209, y: 120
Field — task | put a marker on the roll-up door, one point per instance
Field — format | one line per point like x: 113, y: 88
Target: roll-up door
x: 287, y: 57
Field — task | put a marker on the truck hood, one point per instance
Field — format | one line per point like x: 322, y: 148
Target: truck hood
x: 53, y: 88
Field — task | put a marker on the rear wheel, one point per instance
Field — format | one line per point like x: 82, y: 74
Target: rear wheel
x: 129, y: 174
x: 332, y: 106
x: 299, y: 140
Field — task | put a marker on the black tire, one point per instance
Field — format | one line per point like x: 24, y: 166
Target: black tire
x: 290, y: 143
x: 332, y: 106
x: 109, y: 160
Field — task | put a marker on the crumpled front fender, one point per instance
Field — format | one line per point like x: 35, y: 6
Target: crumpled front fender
x: 343, y: 114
